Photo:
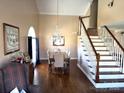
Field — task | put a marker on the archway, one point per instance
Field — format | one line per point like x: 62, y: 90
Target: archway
x: 32, y: 44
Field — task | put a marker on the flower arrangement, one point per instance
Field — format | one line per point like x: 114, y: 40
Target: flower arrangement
x: 21, y: 57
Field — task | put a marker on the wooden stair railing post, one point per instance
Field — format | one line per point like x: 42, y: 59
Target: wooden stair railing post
x: 96, y: 54
x: 97, y: 68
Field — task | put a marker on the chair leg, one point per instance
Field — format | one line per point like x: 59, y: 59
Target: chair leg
x: 50, y: 68
x: 63, y: 70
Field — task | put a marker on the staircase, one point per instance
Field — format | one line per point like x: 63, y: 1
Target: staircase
x: 109, y: 69
x: 110, y: 75
x: 101, y: 58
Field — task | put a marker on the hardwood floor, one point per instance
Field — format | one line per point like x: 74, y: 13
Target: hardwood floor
x: 73, y: 82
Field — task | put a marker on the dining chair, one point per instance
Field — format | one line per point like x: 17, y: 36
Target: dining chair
x: 50, y: 59
x: 67, y: 56
x: 59, y: 60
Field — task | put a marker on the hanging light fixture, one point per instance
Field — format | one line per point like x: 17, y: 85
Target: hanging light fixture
x: 57, y: 21
x: 56, y: 36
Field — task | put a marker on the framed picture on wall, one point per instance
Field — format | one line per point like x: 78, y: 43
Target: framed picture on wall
x: 11, y: 38
x: 58, y: 40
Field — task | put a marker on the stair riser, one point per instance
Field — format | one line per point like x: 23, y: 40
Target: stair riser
x: 106, y: 58
x: 98, y: 44
x: 110, y: 85
x: 105, y: 64
x: 96, y: 40
x: 109, y: 69
x: 117, y: 76
x: 103, y: 52
x: 106, y: 69
x: 101, y: 48
x: 108, y: 64
x: 92, y: 37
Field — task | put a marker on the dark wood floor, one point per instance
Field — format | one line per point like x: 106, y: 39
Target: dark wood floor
x: 73, y: 82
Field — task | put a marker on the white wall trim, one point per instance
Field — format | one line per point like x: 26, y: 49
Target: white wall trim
x: 43, y: 58
x: 73, y: 58
x: 61, y: 14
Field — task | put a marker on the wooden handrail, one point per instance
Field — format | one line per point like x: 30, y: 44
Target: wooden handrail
x: 96, y: 54
x: 88, y: 36
x: 114, y: 38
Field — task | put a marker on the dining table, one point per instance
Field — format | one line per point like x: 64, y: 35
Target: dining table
x: 66, y: 57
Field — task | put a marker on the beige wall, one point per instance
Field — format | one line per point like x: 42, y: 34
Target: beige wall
x: 115, y: 14
x: 21, y: 13
x: 107, y: 15
x: 68, y: 25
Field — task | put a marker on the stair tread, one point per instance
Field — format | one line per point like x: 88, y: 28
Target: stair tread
x: 110, y: 80
x: 97, y: 41
x: 95, y: 38
x: 106, y: 55
x: 100, y: 46
x: 108, y: 73
x: 105, y: 60
x: 101, y: 60
x: 109, y: 66
x: 108, y: 60
x: 104, y: 50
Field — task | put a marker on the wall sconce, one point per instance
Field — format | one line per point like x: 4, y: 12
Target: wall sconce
x: 111, y: 2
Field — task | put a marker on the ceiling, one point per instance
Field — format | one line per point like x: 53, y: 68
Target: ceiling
x: 65, y: 7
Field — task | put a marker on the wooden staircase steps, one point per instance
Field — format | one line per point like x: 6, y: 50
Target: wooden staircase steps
x: 110, y: 75
x: 109, y: 69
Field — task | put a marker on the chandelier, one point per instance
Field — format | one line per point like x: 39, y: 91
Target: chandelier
x: 56, y: 36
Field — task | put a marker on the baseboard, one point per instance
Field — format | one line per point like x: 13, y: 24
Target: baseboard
x: 45, y: 59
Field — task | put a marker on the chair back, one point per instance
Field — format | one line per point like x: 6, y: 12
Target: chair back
x: 59, y: 59
x: 49, y: 54
x: 67, y: 54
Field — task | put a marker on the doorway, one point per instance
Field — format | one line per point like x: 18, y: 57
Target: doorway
x: 32, y: 44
